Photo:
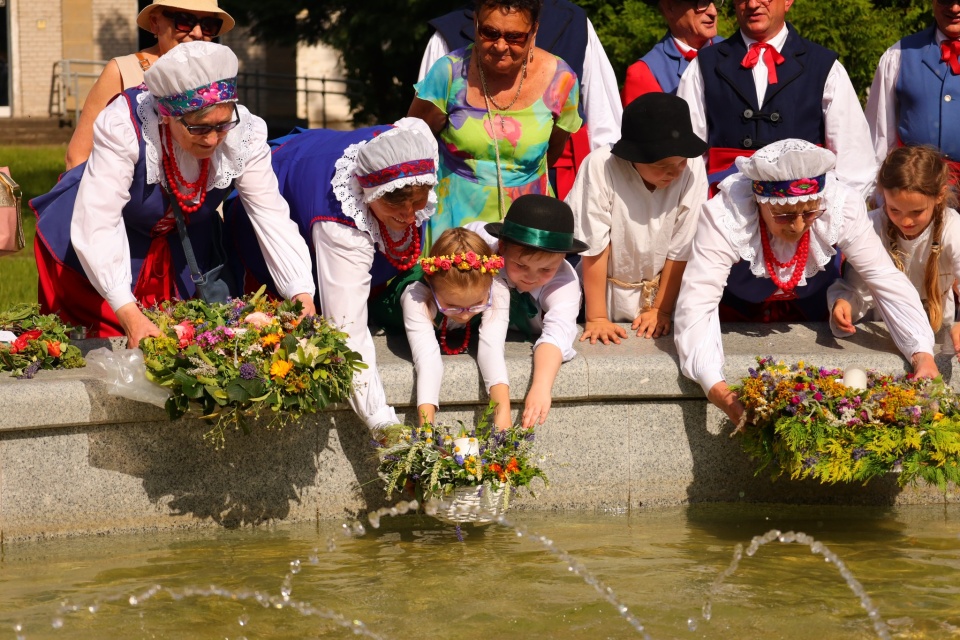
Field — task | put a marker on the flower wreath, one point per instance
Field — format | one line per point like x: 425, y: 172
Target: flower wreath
x: 463, y: 262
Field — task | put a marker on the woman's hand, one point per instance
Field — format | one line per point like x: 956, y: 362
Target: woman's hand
x: 651, y: 323
x: 843, y: 316
x: 924, y: 365
x: 536, y: 406
x: 602, y: 330
x: 136, y: 325
x: 309, y: 309
x: 726, y: 400
x: 426, y: 413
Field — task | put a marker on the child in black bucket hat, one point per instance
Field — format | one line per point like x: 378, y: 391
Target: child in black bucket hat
x: 636, y: 207
x: 534, y: 238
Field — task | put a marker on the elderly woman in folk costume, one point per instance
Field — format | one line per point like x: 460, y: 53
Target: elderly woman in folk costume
x: 172, y: 22
x: 503, y: 110
x: 107, y: 234
x: 360, y: 199
x: 785, y: 215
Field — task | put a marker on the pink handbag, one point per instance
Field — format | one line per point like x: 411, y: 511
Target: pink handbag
x: 11, y: 226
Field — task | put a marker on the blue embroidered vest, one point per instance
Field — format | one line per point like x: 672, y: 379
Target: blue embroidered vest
x: 147, y: 205
x: 305, y: 164
x: 791, y: 107
x: 811, y: 298
x: 928, y: 96
x: 562, y: 32
x: 667, y: 64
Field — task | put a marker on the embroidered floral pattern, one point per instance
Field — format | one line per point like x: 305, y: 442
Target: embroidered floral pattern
x: 397, y: 171
x: 199, y: 98
x: 786, y: 188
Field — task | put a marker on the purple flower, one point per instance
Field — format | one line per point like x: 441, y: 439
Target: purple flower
x: 810, y: 462
x: 458, y: 459
x: 30, y: 370
x: 752, y: 372
x: 858, y: 453
x: 248, y: 371
x: 459, y: 533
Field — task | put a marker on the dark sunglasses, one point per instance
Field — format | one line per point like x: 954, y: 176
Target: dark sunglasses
x: 703, y: 5
x: 204, y: 129
x: 514, y: 38
x: 788, y: 218
x: 185, y: 22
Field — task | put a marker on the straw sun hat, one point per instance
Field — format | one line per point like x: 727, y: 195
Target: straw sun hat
x: 207, y: 6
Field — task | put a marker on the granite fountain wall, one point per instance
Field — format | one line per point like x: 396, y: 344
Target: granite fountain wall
x: 626, y: 431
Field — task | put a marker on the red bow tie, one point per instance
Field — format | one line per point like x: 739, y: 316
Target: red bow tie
x: 950, y: 53
x: 688, y: 55
x: 772, y: 59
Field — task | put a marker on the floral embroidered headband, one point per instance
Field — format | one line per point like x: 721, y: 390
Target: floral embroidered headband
x: 789, y: 188
x: 199, y: 98
x: 397, y: 171
x: 463, y: 262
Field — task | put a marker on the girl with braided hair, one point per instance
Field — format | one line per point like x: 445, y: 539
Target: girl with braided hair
x: 921, y: 231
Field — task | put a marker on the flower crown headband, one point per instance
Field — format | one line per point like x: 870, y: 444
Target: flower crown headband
x: 462, y: 262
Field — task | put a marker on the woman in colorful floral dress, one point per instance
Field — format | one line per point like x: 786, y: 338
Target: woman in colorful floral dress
x: 502, y: 110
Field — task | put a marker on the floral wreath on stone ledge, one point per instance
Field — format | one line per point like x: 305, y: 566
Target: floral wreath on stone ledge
x: 246, y: 357
x: 470, y: 472
x: 814, y: 422
x: 30, y: 341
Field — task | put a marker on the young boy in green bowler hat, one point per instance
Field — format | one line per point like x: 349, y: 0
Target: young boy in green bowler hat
x: 534, y: 238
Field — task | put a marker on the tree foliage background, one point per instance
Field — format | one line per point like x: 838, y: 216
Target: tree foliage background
x: 381, y: 43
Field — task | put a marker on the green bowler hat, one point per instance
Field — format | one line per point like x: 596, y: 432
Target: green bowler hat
x: 539, y: 222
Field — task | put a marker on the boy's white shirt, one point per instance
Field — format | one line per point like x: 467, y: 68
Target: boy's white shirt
x: 558, y: 302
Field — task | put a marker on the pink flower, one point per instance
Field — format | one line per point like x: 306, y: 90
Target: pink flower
x: 185, y: 333
x: 258, y: 319
x: 803, y: 186
x: 444, y: 264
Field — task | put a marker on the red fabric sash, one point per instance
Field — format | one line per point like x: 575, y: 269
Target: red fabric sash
x: 566, y: 166
x: 719, y: 160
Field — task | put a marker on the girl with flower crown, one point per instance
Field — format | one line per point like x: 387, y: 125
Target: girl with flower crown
x: 782, y: 220
x: 921, y: 231
x: 360, y: 199
x: 107, y: 238
x: 450, y: 293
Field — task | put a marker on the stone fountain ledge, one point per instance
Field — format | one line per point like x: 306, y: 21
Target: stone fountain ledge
x: 626, y: 430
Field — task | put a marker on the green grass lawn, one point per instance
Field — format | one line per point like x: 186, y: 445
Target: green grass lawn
x: 36, y: 170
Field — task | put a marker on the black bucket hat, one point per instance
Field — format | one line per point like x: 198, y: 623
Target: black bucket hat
x: 539, y: 222
x: 657, y: 126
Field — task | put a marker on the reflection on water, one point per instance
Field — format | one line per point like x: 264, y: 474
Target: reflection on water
x: 412, y: 579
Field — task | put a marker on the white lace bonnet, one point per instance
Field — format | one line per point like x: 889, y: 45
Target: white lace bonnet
x: 193, y: 76
x: 405, y: 155
x: 788, y: 171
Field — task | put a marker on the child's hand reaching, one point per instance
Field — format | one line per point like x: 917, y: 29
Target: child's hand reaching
x: 604, y: 331
x: 843, y: 316
x: 651, y: 323
x: 536, y: 407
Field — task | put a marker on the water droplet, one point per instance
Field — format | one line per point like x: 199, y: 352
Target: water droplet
x: 57, y: 623
x: 133, y: 600
x: 93, y: 608
x: 331, y: 545
x: 374, y: 520
x: 359, y: 529
x: 707, y: 611
x: 18, y: 627
x: 692, y: 624
x: 243, y: 620
x: 295, y: 567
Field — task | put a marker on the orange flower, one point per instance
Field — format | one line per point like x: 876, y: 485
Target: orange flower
x: 498, y: 469
x: 280, y: 369
x: 512, y: 466
x: 269, y: 339
x: 53, y: 348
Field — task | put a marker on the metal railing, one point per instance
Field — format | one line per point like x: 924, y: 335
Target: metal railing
x: 273, y: 96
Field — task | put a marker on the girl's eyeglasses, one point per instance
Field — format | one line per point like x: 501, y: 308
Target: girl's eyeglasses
x: 204, y: 129
x: 185, y: 22
x: 788, y: 218
x: 456, y: 311
x: 515, y: 38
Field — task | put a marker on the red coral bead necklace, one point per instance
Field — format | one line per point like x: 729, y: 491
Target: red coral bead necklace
x: 443, y: 339
x: 798, y: 261
x: 171, y: 171
x: 401, y: 259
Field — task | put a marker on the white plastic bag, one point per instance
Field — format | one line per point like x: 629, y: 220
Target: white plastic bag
x: 125, y: 374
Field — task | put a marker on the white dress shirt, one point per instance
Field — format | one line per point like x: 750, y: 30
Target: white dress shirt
x: 845, y: 127
x: 98, y: 233
x: 722, y: 240
x: 558, y: 302
x: 419, y: 311
x: 883, y: 109
x: 915, y: 254
x: 613, y: 207
x: 599, y: 89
